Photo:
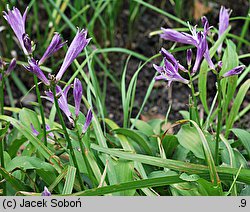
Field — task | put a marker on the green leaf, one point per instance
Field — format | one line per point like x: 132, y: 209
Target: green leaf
x: 4, y: 128
x: 135, y: 137
x: 28, y: 117
x: 70, y: 179
x: 190, y: 139
x: 228, y: 84
x: 124, y: 171
x: 244, y: 136
x: 169, y: 143
x: 143, y: 127
x: 209, y: 157
x: 236, y: 106
x: 138, y: 184
x: 189, y: 178
x: 15, y: 183
x: 35, y: 141
x: 226, y: 173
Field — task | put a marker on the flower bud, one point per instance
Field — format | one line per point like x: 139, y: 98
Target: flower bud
x: 189, y: 57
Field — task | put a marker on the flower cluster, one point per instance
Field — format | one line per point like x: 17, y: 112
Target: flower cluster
x: 169, y: 71
x: 17, y: 23
x: 63, y: 102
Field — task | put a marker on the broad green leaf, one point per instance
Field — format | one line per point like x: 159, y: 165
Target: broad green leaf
x: 244, y: 137
x: 143, y: 127
x: 135, y: 137
x: 4, y: 128
x: 236, y: 106
x: 15, y: 183
x: 28, y: 117
x: 206, y: 188
x: 169, y: 143
x: 25, y: 163
x: 190, y: 139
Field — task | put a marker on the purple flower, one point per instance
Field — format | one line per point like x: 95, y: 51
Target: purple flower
x: 169, y: 71
x: 75, y: 48
x: 27, y: 43
x: 17, y: 23
x: 223, y: 23
x: 77, y: 92
x: 46, y: 192
x: 35, y: 69
x: 36, y: 133
x: 198, y: 39
x: 87, y: 121
x: 189, y: 57
x: 235, y: 71
x: 180, y: 37
x: 62, y: 101
x: 11, y: 66
x: 55, y: 44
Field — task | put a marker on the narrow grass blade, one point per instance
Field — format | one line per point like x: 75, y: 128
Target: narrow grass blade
x: 209, y: 157
x: 70, y: 179
x: 225, y: 173
x: 138, y: 184
x: 236, y: 106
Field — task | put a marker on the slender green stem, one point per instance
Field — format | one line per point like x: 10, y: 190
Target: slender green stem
x: 2, y: 140
x: 41, y: 110
x: 219, y: 122
x: 194, y: 100
x: 67, y: 137
x: 83, y: 154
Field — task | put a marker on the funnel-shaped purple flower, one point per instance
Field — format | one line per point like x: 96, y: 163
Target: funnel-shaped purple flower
x: 180, y: 37
x: 235, y: 71
x: 75, y: 48
x: 17, y: 23
x: 77, y: 92
x: 62, y: 101
x: 223, y: 23
x: 35, y: 69
x: 87, y: 121
x: 55, y: 44
x: 169, y: 71
x: 46, y: 192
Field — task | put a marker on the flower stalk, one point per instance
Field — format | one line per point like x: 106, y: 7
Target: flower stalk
x: 53, y: 88
x: 41, y: 111
x: 2, y: 140
x: 194, y: 100
x: 219, y: 121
